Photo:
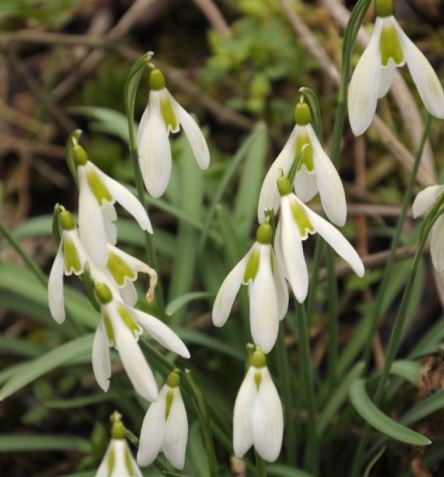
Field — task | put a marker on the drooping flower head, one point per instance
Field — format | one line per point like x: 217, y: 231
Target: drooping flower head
x: 389, y: 48
x: 296, y: 223
x: 258, y: 418
x: 163, y: 115
x: 118, y: 460
x: 97, y: 194
x: 424, y: 201
x: 316, y: 173
x: 267, y: 290
x: 70, y: 259
x: 121, y: 326
x: 165, y: 426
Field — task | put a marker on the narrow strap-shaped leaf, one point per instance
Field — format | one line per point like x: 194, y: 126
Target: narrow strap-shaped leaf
x: 380, y: 421
x: 182, y: 300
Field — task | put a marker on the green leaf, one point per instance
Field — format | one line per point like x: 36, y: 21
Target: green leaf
x: 372, y: 463
x: 380, y: 421
x: 39, y: 442
x: 49, y: 361
x: 409, y: 370
x: 424, y: 408
x: 284, y: 471
x: 182, y: 300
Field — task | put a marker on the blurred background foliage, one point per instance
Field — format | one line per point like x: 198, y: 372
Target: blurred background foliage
x: 242, y: 85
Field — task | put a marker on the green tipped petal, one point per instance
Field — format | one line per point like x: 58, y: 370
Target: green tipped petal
x: 129, y: 321
x: 257, y: 379
x: 301, y: 219
x: 111, y: 462
x: 71, y: 257
x: 119, y: 269
x: 307, y: 155
x: 129, y: 462
x: 109, y: 329
x: 98, y: 188
x: 252, y: 266
x: 390, y: 46
x: 168, y: 114
x: 169, y: 403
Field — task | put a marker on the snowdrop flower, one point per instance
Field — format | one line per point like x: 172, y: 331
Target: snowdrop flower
x: 296, y: 223
x: 424, y: 201
x: 163, y: 115
x: 118, y: 460
x: 258, y: 418
x: 267, y: 290
x: 389, y: 47
x: 120, y: 326
x: 70, y: 258
x: 316, y: 172
x: 97, y: 194
x: 165, y: 427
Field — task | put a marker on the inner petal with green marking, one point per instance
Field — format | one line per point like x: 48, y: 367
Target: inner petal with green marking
x: 71, y: 257
x: 252, y: 266
x: 129, y: 463
x: 119, y: 269
x: 109, y: 329
x: 168, y: 114
x: 169, y: 403
x: 111, y: 461
x: 390, y: 46
x: 307, y: 156
x: 302, y: 221
x: 98, y: 188
x: 130, y: 322
x: 257, y: 379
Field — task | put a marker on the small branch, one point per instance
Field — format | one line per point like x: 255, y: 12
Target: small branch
x: 215, y: 17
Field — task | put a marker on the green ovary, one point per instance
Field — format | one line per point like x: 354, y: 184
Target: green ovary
x: 71, y: 257
x: 302, y: 221
x: 390, y: 46
x: 98, y: 188
x: 307, y: 156
x: 168, y: 115
x: 119, y: 269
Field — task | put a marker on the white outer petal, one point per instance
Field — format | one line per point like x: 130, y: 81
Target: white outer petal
x: 269, y: 195
x: 329, y: 183
x: 386, y: 80
x: 160, y: 332
x: 136, y: 367
x: 281, y: 286
x: 101, y: 361
x: 142, y: 124
x: 154, y: 149
x: 129, y: 294
x: 56, y: 301
x: 103, y: 470
x: 437, y: 244
x: 268, y: 419
x: 425, y: 199
x: 227, y: 292
x: 364, y: 84
x: 153, y: 430
x: 176, y: 432
x: 292, y: 251
x: 92, y: 229
x: 305, y: 186
x: 125, y: 198
x: 193, y: 134
x: 109, y: 217
x: 337, y: 241
x: 264, y: 308
x: 427, y: 82
x: 81, y: 252
x: 243, y: 414
x: 133, y: 263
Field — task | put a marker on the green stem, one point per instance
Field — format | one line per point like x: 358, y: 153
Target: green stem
x: 261, y: 466
x: 131, y: 86
x: 284, y: 375
x: 312, y: 449
x: 33, y: 267
x: 332, y: 320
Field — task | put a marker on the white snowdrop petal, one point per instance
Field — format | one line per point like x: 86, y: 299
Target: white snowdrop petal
x: 120, y: 468
x: 281, y: 287
x: 142, y: 125
x: 56, y: 299
x: 101, y: 361
x: 329, y: 183
x: 269, y: 195
x: 425, y: 199
x: 364, y: 85
x: 109, y: 217
x: 176, y: 432
x: 154, y: 149
x: 337, y: 241
x: 103, y: 470
x: 91, y: 223
x: 227, y: 292
x: 153, y: 430
x: 305, y: 186
x: 162, y: 333
x: 386, y: 79
x: 243, y: 414
x: 437, y: 244
x: 129, y: 294
x: 264, y: 309
x: 193, y: 133
x: 293, y: 253
x: 268, y: 419
x: 133, y: 360
x: 427, y: 82
x: 125, y: 198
